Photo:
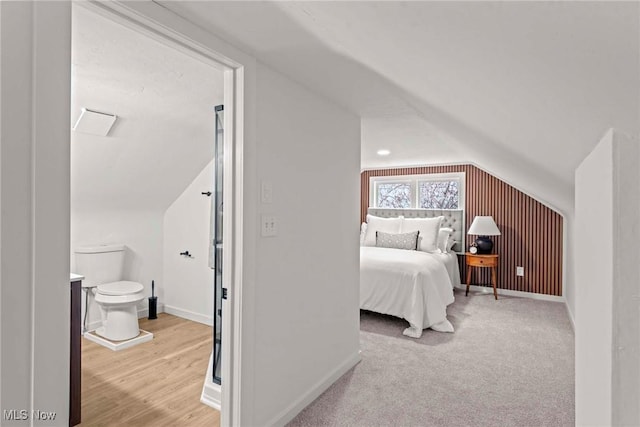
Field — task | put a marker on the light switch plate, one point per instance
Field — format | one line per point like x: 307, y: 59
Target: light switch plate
x: 267, y: 192
x: 519, y: 271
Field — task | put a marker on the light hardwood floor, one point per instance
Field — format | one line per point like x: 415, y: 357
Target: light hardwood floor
x: 157, y: 383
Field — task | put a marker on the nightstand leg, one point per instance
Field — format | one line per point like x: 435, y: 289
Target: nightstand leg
x: 468, y: 279
x: 493, y: 281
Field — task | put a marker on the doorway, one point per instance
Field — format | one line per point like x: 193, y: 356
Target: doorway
x: 223, y: 193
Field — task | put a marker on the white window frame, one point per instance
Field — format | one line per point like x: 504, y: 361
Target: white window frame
x: 414, y: 181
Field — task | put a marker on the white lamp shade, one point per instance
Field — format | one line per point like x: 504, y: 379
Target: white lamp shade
x: 484, y: 226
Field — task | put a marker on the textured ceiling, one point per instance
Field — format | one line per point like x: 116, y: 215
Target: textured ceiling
x: 523, y: 89
x: 164, y: 101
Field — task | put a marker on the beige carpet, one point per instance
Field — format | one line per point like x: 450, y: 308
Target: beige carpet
x: 509, y: 363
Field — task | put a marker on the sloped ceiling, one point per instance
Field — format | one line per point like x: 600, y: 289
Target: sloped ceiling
x: 523, y: 89
x: 164, y: 101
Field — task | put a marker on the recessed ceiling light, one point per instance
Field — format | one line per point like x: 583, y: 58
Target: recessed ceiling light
x: 383, y: 152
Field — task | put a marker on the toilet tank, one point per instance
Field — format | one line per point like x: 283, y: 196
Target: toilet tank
x: 100, y: 264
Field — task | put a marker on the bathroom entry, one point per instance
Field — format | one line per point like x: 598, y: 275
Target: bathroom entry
x: 137, y: 184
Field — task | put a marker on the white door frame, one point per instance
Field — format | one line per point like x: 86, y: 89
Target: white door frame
x: 234, y: 80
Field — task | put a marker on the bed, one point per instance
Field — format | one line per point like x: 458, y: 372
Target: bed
x: 415, y: 285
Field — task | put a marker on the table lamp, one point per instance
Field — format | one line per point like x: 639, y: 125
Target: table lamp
x: 484, y: 226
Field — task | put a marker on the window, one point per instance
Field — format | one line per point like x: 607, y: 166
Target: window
x: 433, y: 191
x: 438, y: 194
x: 394, y: 194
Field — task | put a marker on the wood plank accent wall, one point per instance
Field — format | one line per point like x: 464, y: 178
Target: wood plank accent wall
x: 531, y: 232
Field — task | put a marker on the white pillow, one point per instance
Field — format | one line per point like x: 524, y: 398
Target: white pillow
x: 444, y: 234
x: 386, y: 225
x: 363, y: 230
x: 428, y: 228
x: 450, y: 244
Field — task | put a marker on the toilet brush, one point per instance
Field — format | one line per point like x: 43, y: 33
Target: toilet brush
x: 153, y: 302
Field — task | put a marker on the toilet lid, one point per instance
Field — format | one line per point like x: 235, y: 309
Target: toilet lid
x: 120, y: 288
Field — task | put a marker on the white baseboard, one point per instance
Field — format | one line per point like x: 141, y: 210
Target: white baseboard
x: 211, y: 392
x: 305, y: 399
x: 189, y: 315
x: 144, y: 312
x: 508, y: 292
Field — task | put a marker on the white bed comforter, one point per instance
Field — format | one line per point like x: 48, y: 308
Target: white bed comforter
x: 412, y: 285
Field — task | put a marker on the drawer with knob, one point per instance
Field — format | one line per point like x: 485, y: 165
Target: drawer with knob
x: 477, y: 260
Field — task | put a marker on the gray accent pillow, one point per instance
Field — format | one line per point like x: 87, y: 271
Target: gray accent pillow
x: 397, y: 241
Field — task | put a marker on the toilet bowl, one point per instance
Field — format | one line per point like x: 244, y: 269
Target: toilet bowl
x: 103, y: 268
x: 118, y: 308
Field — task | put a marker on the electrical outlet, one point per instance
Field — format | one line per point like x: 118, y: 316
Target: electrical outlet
x: 519, y: 271
x: 269, y: 226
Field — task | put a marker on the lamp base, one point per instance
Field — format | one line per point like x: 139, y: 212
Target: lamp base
x: 484, y: 244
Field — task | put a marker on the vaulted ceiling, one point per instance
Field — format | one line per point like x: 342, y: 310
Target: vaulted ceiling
x: 164, y: 100
x: 523, y: 89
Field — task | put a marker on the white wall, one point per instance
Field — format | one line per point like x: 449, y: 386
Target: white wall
x: 607, y: 255
x: 188, y: 282
x: 626, y: 282
x: 299, y: 306
x: 34, y: 270
x: 569, y: 265
x: 139, y: 231
x: 307, y: 277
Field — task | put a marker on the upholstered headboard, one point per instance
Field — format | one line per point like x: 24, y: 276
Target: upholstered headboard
x: 452, y: 218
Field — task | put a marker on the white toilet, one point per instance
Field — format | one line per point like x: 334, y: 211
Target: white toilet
x: 102, y: 267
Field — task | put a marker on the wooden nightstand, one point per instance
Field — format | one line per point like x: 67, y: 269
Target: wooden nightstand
x: 482, y: 261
